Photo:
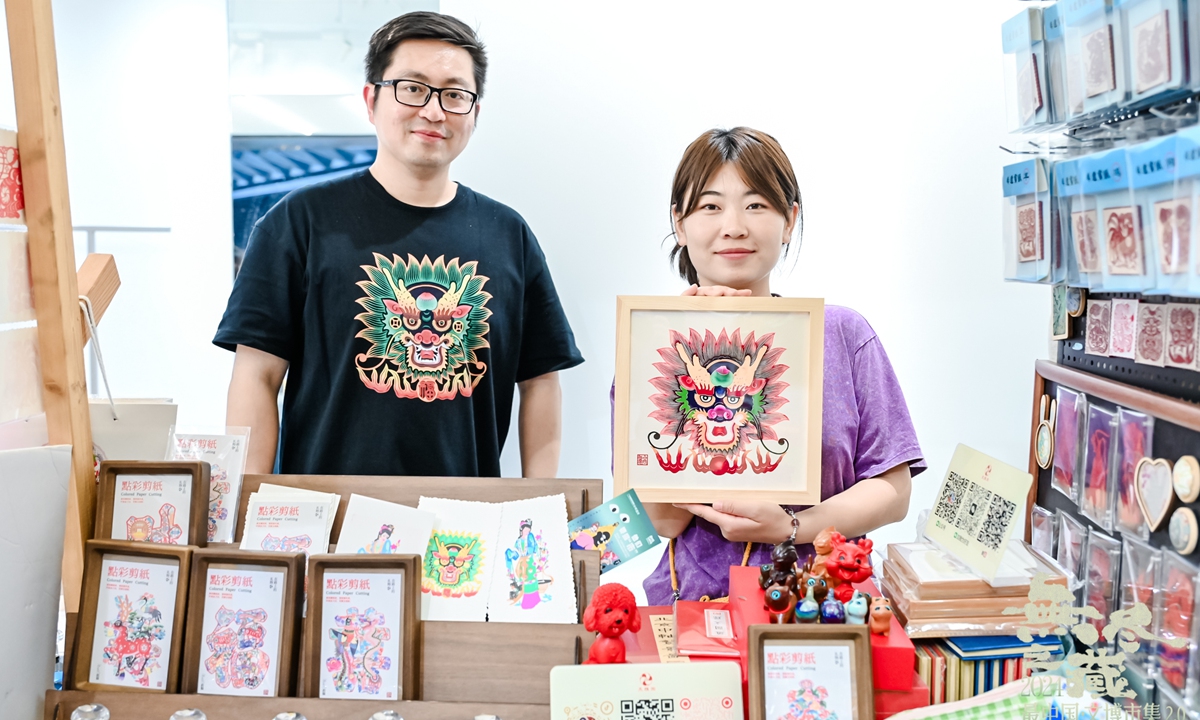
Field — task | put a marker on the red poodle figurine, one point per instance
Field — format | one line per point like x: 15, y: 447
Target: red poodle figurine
x: 613, y: 611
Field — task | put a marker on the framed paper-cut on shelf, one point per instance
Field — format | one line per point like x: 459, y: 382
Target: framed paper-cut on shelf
x: 243, y: 626
x: 131, y: 613
x: 817, y: 671
x: 362, y: 631
x: 153, y: 502
x: 717, y: 397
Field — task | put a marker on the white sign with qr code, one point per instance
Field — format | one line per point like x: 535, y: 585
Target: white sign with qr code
x: 717, y: 624
x: 671, y: 691
x: 980, y: 503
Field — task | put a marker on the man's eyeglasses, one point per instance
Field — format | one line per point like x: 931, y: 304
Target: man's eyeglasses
x: 417, y: 94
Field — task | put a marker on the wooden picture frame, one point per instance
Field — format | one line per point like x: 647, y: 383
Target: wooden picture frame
x: 815, y: 639
x: 285, y: 663
x: 672, y: 345
x: 408, y: 625
x: 123, y: 553
x: 196, y: 513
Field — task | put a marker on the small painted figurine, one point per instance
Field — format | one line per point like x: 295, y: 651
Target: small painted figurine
x: 818, y: 586
x: 823, y: 544
x: 849, y: 563
x: 858, y: 608
x: 782, y: 570
x: 613, y: 610
x: 832, y: 611
x: 808, y: 609
x: 881, y: 615
x: 780, y: 602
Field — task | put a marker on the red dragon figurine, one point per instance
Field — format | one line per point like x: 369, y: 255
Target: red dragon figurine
x: 850, y: 562
x: 613, y: 610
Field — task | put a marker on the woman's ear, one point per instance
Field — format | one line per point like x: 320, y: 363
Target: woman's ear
x: 790, y: 227
x: 677, y: 226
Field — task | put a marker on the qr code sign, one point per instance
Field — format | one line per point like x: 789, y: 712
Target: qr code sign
x: 974, y: 508
x: 951, y: 497
x: 999, y: 515
x: 648, y: 709
x: 643, y: 459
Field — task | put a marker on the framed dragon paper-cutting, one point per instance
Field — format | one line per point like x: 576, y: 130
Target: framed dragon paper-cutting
x: 719, y: 397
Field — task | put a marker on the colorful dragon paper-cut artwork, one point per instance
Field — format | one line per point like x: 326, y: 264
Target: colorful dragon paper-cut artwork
x: 131, y: 650
x: 453, y: 565
x: 358, y: 654
x: 238, y: 658
x: 720, y: 395
x: 425, y: 321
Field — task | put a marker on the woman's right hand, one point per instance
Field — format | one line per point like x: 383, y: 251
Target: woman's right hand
x: 714, y: 291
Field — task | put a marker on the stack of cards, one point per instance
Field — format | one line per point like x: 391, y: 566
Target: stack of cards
x: 285, y: 519
x: 378, y: 527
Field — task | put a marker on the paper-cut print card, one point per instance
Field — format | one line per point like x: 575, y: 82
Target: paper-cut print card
x: 12, y: 194
x: 619, y: 529
x: 533, y: 578
x: 360, y: 636
x: 1152, y: 53
x: 458, y: 562
x: 241, y: 631
x: 1029, y: 232
x: 1100, y: 73
x: 378, y: 527
x: 1173, y: 225
x: 1083, y: 231
x: 1149, y: 348
x: 282, y: 525
x: 1098, y: 331
x: 152, y: 502
x: 135, y: 622
x: 1181, y: 335
x: 1123, y: 341
x: 718, y: 398
x: 226, y: 455
x: 1123, y: 233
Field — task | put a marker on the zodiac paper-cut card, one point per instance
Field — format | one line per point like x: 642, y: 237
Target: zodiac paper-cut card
x: 131, y: 644
x: 241, y: 631
x: 378, y: 527
x: 533, y: 578
x: 456, y: 573
x: 716, y: 396
x: 362, y: 617
x: 152, y: 508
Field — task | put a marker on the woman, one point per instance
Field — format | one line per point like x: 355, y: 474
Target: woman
x: 735, y: 205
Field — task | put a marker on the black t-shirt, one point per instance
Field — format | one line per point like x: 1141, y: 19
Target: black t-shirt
x: 406, y: 328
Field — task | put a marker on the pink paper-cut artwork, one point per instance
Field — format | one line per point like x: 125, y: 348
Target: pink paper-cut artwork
x: 1181, y: 334
x: 1087, y: 251
x: 1099, y: 327
x: 12, y: 193
x: 1152, y: 66
x: 1123, y: 241
x: 1124, y: 328
x: 1029, y: 232
x: 1099, y: 73
x: 1150, y: 348
x: 1029, y: 90
x: 238, y: 656
x: 1173, y: 221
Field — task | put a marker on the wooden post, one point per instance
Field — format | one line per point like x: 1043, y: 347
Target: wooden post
x: 52, y: 266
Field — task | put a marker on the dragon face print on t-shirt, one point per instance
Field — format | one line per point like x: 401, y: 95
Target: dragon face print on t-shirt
x: 425, y: 321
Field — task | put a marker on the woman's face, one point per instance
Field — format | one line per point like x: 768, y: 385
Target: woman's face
x: 734, y: 237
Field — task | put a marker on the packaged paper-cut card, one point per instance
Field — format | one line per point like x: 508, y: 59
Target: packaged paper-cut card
x: 1072, y: 542
x: 226, y: 454
x: 1175, y: 619
x: 135, y: 622
x: 533, y: 578
x: 1139, y: 580
x: 619, y: 529
x: 1098, y: 339
x: 1067, y: 431
x: 360, y: 645
x: 1149, y: 347
x: 1102, y: 575
x: 12, y: 195
x: 1096, y: 488
x: 282, y: 525
x: 1124, y: 328
x: 378, y: 527
x: 460, y: 558
x: 1181, y: 335
x: 242, y: 632
x: 154, y: 502
x: 1135, y: 437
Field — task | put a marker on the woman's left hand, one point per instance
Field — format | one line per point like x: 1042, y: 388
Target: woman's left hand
x: 746, y: 521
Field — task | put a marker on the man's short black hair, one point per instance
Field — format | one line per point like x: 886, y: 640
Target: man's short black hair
x: 424, y: 25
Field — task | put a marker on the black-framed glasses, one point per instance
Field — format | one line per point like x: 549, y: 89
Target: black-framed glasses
x: 416, y: 94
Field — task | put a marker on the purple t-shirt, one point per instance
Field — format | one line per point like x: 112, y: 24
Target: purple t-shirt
x: 866, y: 431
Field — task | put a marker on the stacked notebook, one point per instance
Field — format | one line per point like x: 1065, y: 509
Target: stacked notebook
x: 963, y: 667
x: 935, y: 595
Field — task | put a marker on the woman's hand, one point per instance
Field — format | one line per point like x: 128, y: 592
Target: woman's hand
x: 746, y: 521
x: 714, y: 291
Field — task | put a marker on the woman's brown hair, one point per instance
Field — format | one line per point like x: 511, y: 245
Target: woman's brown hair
x: 759, y: 159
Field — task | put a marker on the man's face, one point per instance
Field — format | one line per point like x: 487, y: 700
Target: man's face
x: 423, y: 138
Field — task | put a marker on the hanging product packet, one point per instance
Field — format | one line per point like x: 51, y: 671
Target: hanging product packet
x: 1096, y: 50
x: 1077, y: 226
x: 1072, y: 542
x: 1043, y: 530
x: 1054, y: 49
x: 1025, y: 70
x: 1068, y: 430
x: 1167, y: 245
x: 1096, y: 486
x: 1121, y: 238
x: 1139, y: 579
x: 226, y: 454
x: 1175, y: 621
x: 1095, y: 175
x: 1184, y: 280
x: 1156, y: 62
x: 1027, y: 254
x: 1135, y: 438
x: 1102, y: 576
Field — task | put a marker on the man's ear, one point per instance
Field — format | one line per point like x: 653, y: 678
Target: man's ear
x: 369, y: 97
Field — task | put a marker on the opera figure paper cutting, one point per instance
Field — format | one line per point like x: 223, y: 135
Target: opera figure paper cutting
x: 360, y: 638
x: 378, y: 527
x: 534, y: 581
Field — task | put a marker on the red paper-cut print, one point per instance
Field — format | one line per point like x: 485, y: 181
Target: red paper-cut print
x: 1087, y: 251
x: 1099, y: 73
x: 1029, y: 232
x: 1150, y: 346
x: 1029, y: 91
x: 1152, y: 66
x: 1181, y: 333
x: 1124, y: 328
x: 12, y: 196
x: 1099, y: 327
x: 1173, y: 222
x: 1122, y: 231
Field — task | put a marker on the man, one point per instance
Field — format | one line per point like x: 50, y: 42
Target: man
x: 404, y: 307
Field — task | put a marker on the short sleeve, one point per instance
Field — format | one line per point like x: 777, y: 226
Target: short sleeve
x: 267, y: 303
x: 547, y: 342
x: 886, y: 437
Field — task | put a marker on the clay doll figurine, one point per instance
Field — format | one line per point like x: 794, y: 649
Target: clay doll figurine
x: 816, y: 582
x: 881, y: 616
x: 832, y: 611
x: 823, y: 543
x: 809, y: 608
x: 782, y: 570
x: 613, y: 610
x: 849, y: 563
x: 857, y: 608
x: 780, y: 601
